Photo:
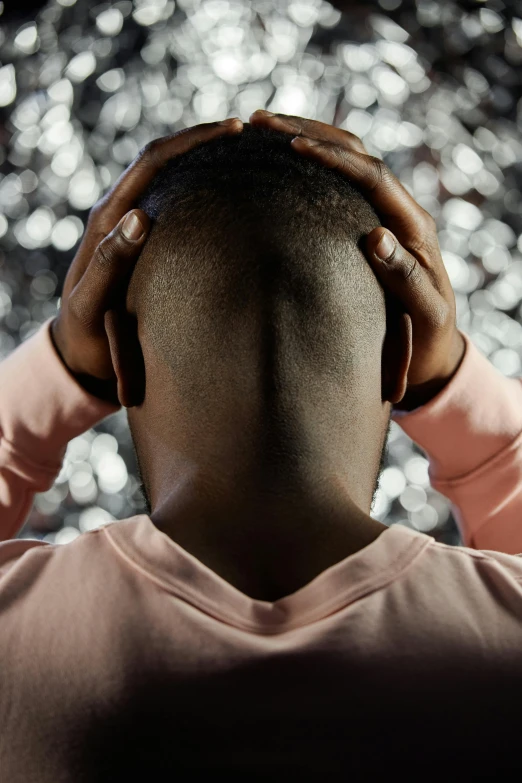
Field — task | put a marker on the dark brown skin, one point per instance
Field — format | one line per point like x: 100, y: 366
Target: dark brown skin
x: 96, y: 284
x: 414, y: 273
x: 205, y: 488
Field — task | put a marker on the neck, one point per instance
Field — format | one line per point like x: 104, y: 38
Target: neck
x: 267, y: 522
x: 265, y: 544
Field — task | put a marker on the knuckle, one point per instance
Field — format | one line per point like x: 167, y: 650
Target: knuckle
x: 429, y: 220
x: 378, y: 172
x: 353, y: 140
x: 148, y: 154
x: 95, y: 213
x: 409, y: 269
x: 105, y: 253
x: 80, y: 311
x: 442, y: 315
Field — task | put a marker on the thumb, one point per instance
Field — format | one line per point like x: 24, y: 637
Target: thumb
x: 110, y: 267
x: 400, y: 273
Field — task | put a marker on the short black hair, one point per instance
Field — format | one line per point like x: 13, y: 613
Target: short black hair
x: 254, y: 257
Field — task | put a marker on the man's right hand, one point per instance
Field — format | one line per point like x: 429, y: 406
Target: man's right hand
x: 408, y: 262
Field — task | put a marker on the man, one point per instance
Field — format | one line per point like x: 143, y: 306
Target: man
x: 258, y: 620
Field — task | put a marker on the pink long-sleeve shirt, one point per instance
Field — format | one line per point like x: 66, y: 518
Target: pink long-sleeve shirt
x: 123, y: 657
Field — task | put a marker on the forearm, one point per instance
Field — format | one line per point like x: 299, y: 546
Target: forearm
x: 41, y: 408
x: 471, y: 432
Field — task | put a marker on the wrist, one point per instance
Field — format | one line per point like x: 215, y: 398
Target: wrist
x: 103, y: 389
x: 419, y: 395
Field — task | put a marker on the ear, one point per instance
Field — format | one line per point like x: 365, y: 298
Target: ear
x: 127, y: 357
x: 396, y: 353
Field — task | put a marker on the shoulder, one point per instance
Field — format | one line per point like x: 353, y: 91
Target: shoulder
x: 13, y: 550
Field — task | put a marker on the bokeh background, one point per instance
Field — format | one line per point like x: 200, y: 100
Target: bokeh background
x: 432, y: 87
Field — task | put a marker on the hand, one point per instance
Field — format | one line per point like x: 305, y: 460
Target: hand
x: 97, y: 279
x: 407, y: 262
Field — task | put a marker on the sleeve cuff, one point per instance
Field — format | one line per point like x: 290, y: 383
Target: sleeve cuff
x: 472, y: 419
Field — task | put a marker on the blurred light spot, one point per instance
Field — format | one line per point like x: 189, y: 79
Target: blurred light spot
x: 28, y: 181
x: 396, y: 54
x: 462, y: 213
x: 282, y: 39
x: 61, y: 91
x: 78, y: 449
x: 81, y: 66
x: 39, y: 225
x: 55, y: 136
x: 359, y: 58
x: 82, y: 485
x: 93, y: 518
x: 261, y: 64
x: 7, y: 85
x: 169, y: 111
x: 303, y: 13
x: 121, y: 111
x: 5, y: 303
x: 413, y: 498
x: 124, y: 151
x: 209, y: 106
x: 466, y: 159
x: 152, y: 11
x: 43, y: 285
x: 457, y: 269
x: 110, y: 22
x: 291, y: 99
x: 392, y: 481
x: 409, y: 135
x: 112, y: 473
x: 229, y: 67
x: 425, y: 519
x: 3, y: 225
x: 49, y: 502
x: 358, y: 122
x: 66, y: 534
x: 112, y: 80
x: 26, y: 114
x: 84, y: 191
x: 501, y: 232
x: 507, y: 362
x: 490, y: 20
x: 504, y: 295
x: 361, y: 94
x: 66, y: 159
x: 416, y: 471
x: 388, y: 29
x: 425, y: 179
x: 102, y: 444
x: 496, y: 259
x: 455, y: 180
x: 485, y: 139
x: 486, y: 183
x: 26, y: 40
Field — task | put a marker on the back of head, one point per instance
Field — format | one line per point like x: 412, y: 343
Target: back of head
x: 252, y: 281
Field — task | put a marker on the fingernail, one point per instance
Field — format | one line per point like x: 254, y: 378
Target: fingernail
x: 307, y: 141
x: 385, y: 247
x: 265, y: 112
x: 231, y: 121
x: 132, y: 227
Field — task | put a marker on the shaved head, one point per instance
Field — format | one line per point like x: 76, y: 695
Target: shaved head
x: 252, y: 286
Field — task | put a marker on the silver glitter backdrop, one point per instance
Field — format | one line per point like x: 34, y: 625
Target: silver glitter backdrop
x: 432, y: 87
